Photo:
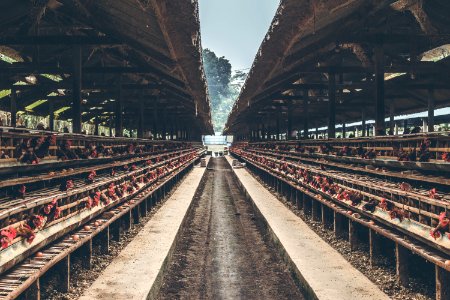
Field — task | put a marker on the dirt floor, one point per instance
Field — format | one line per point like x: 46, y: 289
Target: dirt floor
x: 223, y: 253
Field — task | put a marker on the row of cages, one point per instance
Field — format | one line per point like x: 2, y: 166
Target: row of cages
x: 34, y: 147
x: 416, y: 205
x: 425, y: 147
x: 40, y: 207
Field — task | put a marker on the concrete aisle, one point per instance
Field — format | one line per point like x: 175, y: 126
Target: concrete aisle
x: 223, y: 252
x: 137, y: 270
x: 327, y: 274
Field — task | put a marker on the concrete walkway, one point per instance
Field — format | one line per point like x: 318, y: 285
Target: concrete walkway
x: 137, y: 271
x: 323, y: 271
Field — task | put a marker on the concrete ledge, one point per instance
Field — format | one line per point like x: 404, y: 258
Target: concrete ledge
x: 137, y: 272
x: 320, y: 271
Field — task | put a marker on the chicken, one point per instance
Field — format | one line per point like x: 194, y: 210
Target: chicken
x: 41, y: 150
x: 7, y: 236
x: 371, y: 154
x: 406, y: 187
x: 91, y: 177
x: 433, y: 194
x: 26, y: 232
x: 408, y: 155
x: 398, y: 213
x: 52, y: 211
x: 443, y: 226
x: 66, y: 185
x: 370, y: 205
x: 64, y: 151
x: 20, y: 192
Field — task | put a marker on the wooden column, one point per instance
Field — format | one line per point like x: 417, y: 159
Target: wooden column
x: 51, y: 115
x: 402, y: 256
x: 289, y: 125
x: 13, y: 108
x: 155, y: 119
x: 63, y: 270
x: 442, y: 284
x: 343, y: 130
x: 33, y: 292
x: 430, y: 110
x: 374, y: 247
x: 278, y: 128
x: 96, y: 121
x: 110, y: 125
x: 305, y: 115
x: 363, y: 119
x: 353, y: 234
x: 331, y: 105
x: 391, y: 118
x: 76, y: 91
x: 380, y: 127
x: 119, y: 110
x: 86, y: 255
x: 140, y: 133
x: 164, y: 127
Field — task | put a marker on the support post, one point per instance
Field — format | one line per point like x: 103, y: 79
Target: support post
x: 331, y: 105
x: 96, y: 121
x: 63, y: 270
x: 374, y: 247
x: 76, y: 92
x: 305, y: 116
x: 343, y: 130
x: 430, y: 110
x: 51, y: 115
x: 442, y: 284
x: 363, y: 119
x: 140, y: 133
x: 13, y: 107
x: 402, y: 256
x: 86, y: 255
x: 104, y: 241
x: 278, y: 127
x: 391, y: 118
x: 353, y: 234
x: 119, y: 110
x: 380, y: 127
x: 338, y: 225
x: 33, y: 292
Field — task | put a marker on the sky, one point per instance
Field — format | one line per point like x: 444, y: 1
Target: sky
x: 236, y: 28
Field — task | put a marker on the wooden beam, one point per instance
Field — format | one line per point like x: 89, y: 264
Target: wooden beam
x: 66, y: 40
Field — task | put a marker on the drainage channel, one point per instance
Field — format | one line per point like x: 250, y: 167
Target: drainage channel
x: 223, y: 251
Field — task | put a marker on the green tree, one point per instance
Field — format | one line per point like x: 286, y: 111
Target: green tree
x: 223, y: 86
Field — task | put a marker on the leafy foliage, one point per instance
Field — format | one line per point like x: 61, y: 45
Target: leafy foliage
x: 224, y: 87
